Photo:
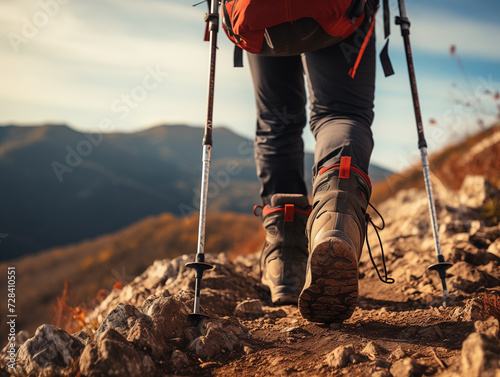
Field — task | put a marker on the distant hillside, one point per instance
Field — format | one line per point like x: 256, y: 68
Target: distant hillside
x: 60, y: 186
x: 478, y: 154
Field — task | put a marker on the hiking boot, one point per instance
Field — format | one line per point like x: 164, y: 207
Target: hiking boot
x: 336, y: 232
x: 284, y: 255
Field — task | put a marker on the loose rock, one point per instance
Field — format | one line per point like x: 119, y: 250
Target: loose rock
x: 473, y: 310
x: 467, y: 278
x: 50, y: 351
x: 112, y: 355
x: 20, y: 338
x: 135, y: 327
x: 480, y: 356
x: 397, y: 354
x: 179, y: 359
x: 494, y: 248
x: 407, y: 367
x: 219, y: 336
x: 122, y: 318
x: 489, y: 327
x: 373, y: 349
x: 83, y: 336
x: 340, y: 357
x: 249, y: 308
x: 475, y: 190
x: 170, y: 315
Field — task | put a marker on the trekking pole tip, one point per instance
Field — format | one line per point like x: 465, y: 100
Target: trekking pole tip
x: 198, y: 267
x: 441, y: 268
x: 197, y: 317
x: 446, y: 297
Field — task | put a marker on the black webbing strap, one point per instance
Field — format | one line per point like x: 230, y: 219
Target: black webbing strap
x: 387, y: 19
x: 384, y: 54
x: 238, y: 57
x: 386, y: 61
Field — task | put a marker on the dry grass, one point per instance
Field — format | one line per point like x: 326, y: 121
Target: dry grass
x: 70, y: 319
x: 450, y: 166
x: 491, y: 304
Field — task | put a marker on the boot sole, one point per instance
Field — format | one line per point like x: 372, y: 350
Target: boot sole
x: 331, y: 290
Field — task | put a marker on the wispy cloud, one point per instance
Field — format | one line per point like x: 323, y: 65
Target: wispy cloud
x: 165, y: 9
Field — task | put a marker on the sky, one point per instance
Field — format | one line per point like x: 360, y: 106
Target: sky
x: 127, y: 65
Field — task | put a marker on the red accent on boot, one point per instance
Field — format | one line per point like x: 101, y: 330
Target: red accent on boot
x: 353, y: 168
x: 289, y: 213
x: 268, y: 210
x: 345, y: 167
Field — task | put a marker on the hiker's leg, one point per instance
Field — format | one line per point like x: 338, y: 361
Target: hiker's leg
x: 341, y: 116
x: 341, y: 106
x: 281, y: 116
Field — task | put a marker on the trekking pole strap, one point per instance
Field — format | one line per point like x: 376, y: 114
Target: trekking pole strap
x: 387, y: 19
x: 384, y: 54
x: 213, y: 20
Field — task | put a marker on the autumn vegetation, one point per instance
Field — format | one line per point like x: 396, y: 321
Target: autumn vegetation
x: 478, y: 154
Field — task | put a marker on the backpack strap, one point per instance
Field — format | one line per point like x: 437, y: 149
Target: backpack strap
x: 226, y: 20
x: 355, y: 10
x: 238, y: 51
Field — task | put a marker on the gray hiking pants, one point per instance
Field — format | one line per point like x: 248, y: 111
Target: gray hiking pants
x: 341, y: 112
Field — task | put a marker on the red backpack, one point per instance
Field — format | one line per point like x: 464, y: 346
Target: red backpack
x: 292, y: 27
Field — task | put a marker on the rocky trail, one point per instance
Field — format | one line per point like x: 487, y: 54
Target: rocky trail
x: 397, y: 330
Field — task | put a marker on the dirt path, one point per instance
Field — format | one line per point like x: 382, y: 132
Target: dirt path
x: 290, y: 345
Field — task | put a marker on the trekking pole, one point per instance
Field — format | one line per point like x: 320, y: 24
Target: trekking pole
x: 441, y: 266
x: 199, y: 266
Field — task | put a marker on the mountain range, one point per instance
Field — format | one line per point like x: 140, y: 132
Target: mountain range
x: 61, y: 186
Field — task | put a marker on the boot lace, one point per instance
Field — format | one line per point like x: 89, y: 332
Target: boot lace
x: 386, y: 279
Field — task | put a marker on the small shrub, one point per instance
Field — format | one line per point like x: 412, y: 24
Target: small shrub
x: 491, y: 210
x: 491, y: 304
